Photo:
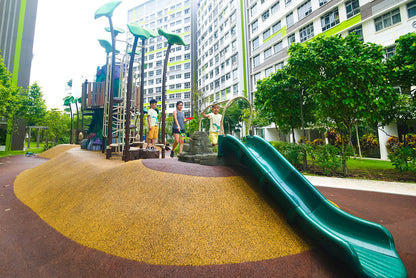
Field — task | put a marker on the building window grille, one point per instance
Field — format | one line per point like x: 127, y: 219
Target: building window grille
x: 387, y: 19
x: 278, y: 46
x: 256, y: 61
x: 358, y: 31
x: 411, y: 9
x: 253, y: 10
x: 254, y: 26
x: 279, y: 66
x: 330, y: 19
x: 352, y: 7
x: 269, y: 71
x: 256, y: 43
x: 289, y: 20
x: 390, y: 51
x: 266, y: 34
x: 266, y: 15
x: 267, y: 53
x: 291, y: 39
x: 276, y: 27
x: 275, y: 7
x: 304, y: 9
x: 306, y: 32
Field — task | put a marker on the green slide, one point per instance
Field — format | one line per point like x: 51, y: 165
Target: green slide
x: 366, y: 247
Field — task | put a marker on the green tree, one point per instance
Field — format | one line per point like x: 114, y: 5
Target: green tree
x: 278, y: 99
x: 233, y: 116
x: 59, y: 124
x: 346, y: 78
x: 402, y: 73
x: 34, y: 105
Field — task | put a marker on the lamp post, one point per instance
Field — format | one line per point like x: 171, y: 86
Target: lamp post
x: 107, y: 11
x: 172, y: 39
x: 143, y: 34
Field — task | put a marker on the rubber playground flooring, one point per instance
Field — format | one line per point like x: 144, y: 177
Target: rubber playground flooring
x: 80, y: 215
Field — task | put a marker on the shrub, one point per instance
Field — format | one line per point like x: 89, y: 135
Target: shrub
x: 292, y: 152
x: 369, y: 143
x: 326, y: 157
x: 403, y: 154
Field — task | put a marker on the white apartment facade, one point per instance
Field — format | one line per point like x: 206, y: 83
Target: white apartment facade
x: 222, y: 63
x: 275, y: 25
x: 173, y: 16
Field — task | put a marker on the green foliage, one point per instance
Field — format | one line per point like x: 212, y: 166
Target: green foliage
x: 326, y: 157
x: 368, y: 143
x: 59, y: 125
x: 403, y: 154
x: 402, y: 72
x: 233, y: 116
x: 292, y: 152
x: 34, y: 105
x: 278, y: 100
x: 346, y: 77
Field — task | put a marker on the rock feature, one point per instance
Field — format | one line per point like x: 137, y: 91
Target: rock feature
x: 199, y: 150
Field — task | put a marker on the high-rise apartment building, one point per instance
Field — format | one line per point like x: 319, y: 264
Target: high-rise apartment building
x: 275, y: 25
x: 222, y: 60
x: 173, y: 16
x: 17, y: 29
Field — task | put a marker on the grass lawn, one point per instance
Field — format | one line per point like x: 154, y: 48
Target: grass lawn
x: 371, y: 169
x: 32, y: 149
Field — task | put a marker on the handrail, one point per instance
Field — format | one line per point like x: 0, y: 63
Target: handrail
x: 228, y: 103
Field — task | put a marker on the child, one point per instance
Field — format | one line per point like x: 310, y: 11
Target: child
x: 152, y: 121
x: 214, y: 124
x: 178, y: 128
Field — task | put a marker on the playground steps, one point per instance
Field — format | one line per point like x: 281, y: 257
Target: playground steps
x: 137, y: 153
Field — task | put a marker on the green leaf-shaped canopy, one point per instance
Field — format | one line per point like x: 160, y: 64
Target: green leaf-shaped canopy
x: 107, y: 46
x: 116, y: 30
x: 107, y: 10
x: 171, y: 37
x: 68, y: 100
x: 141, y: 32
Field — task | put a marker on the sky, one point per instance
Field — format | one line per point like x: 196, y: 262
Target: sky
x: 66, y: 44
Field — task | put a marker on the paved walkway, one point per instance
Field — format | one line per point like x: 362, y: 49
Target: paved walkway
x: 401, y: 188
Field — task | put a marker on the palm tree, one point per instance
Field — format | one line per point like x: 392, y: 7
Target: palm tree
x: 143, y: 34
x: 172, y: 39
x: 107, y: 11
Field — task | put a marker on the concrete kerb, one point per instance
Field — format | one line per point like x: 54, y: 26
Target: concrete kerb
x: 400, y: 188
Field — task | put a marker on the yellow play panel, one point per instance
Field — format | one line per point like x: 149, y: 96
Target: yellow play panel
x: 131, y: 211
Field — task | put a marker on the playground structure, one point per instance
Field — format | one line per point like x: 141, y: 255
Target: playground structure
x: 112, y: 101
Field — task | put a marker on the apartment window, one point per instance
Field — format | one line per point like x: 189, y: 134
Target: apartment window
x: 254, y: 26
x: 257, y: 77
x: 390, y: 51
x: 411, y: 9
x: 279, y: 66
x: 187, y: 75
x: 306, y: 32
x: 235, y: 89
x: 235, y: 74
x: 187, y: 85
x: 289, y: 19
x: 304, y: 9
x: 266, y: 15
x: 353, y: 8
x: 266, y: 34
x: 276, y: 27
x: 256, y: 43
x: 323, y: 2
x: 187, y: 95
x: 269, y: 71
x: 358, y: 31
x: 278, y: 46
x: 275, y: 7
x: 171, y: 105
x: 387, y: 19
x: 287, y: 2
x: 268, y: 52
x: 253, y: 10
x: 291, y: 39
x: 256, y: 60
x: 330, y: 19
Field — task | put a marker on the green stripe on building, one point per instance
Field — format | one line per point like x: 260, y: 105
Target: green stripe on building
x: 179, y: 62
x: 19, y: 37
x: 342, y: 26
x: 282, y: 31
x: 244, y: 48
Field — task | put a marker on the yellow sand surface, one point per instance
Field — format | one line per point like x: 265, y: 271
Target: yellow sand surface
x: 131, y: 211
